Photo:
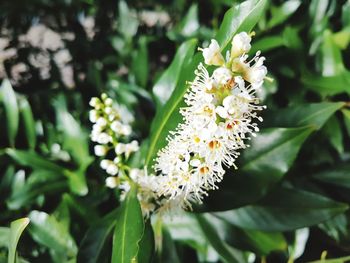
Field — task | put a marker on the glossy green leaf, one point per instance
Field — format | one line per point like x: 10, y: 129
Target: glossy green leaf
x: 4, y: 236
x: 53, y: 234
x: 96, y: 238
x: 185, y: 228
x: 267, y: 43
x: 283, y: 210
x: 283, y: 12
x: 11, y: 110
x: 34, y: 160
x: 237, y: 19
x: 129, y: 229
x: 227, y: 253
x: 39, y: 182
x: 346, y: 115
x: 313, y: 114
x: 76, y: 179
x: 28, y: 122
x: 242, y: 17
x: 147, y: 246
x: 188, y: 26
x: 75, y: 138
x: 332, y: 61
x: 167, y: 82
x: 329, y: 85
x: 127, y: 22
x: 337, y: 175
x: 16, y: 229
x: 333, y: 131
x: 270, y: 156
x: 261, y: 243
x: 140, y: 63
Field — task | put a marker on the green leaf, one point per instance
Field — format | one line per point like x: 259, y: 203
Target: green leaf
x: 75, y: 139
x: 185, y: 228
x: 283, y: 210
x: 28, y: 122
x: 267, y: 43
x: 332, y: 61
x: 329, y: 85
x: 261, y: 243
x: 227, y: 253
x: 333, y: 131
x: 167, y: 82
x: 40, y: 182
x: 76, y: 179
x: 127, y: 20
x: 334, y: 260
x: 140, y: 63
x: 240, y: 18
x: 337, y: 175
x: 16, y: 229
x: 188, y: 26
x: 346, y: 115
x: 11, y: 110
x: 147, y: 246
x: 128, y: 230
x: 49, y: 232
x: 313, y: 114
x: 283, y: 12
x: 4, y: 236
x: 34, y: 160
x: 270, y: 156
x: 96, y: 238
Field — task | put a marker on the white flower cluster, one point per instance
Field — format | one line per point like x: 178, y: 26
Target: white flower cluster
x: 111, y: 127
x: 219, y: 118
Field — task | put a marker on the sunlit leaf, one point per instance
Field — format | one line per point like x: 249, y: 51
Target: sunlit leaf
x: 16, y: 229
x: 129, y: 228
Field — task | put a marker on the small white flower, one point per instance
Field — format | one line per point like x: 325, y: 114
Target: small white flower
x: 103, y: 138
x: 112, y: 169
x: 108, y: 102
x: 212, y: 54
x: 240, y: 44
x: 104, y: 164
x: 94, y: 101
x: 111, y: 182
x: 93, y: 116
x: 100, y: 150
x: 120, y: 148
x: 222, y: 76
x: 257, y: 72
x: 101, y: 121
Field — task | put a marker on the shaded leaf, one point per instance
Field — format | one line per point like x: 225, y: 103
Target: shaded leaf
x: 226, y: 253
x: 96, y: 238
x: 270, y: 156
x: 313, y: 114
x: 147, y: 246
x: 283, y: 210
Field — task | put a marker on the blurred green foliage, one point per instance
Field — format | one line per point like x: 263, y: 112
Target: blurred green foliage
x: 288, y: 200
